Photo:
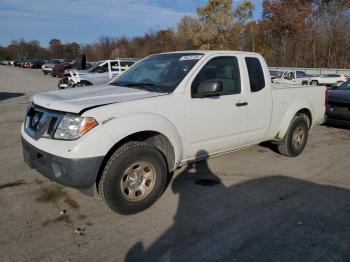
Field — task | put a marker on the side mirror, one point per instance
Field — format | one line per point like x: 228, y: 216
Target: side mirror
x: 209, y: 88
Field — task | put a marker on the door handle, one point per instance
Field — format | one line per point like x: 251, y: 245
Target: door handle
x: 242, y: 104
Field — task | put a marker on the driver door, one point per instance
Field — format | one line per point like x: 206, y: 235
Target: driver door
x: 290, y: 78
x: 101, y: 75
x: 218, y: 123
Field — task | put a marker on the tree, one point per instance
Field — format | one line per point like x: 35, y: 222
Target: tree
x: 217, y: 24
x: 244, y: 11
x: 55, y: 47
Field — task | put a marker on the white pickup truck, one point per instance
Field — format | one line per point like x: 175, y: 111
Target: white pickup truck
x: 169, y: 109
x: 292, y: 77
x: 101, y: 73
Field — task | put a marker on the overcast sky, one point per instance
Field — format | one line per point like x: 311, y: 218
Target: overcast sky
x: 86, y: 20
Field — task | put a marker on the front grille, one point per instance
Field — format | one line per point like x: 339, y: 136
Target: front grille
x: 41, y: 123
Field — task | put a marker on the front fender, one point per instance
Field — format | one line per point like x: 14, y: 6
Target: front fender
x: 120, y: 127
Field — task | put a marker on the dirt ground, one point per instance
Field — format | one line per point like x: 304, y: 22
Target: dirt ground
x: 252, y: 205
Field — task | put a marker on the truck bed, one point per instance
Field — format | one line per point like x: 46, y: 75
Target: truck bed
x: 287, y: 98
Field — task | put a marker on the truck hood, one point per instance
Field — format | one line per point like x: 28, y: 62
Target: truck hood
x: 341, y: 96
x: 75, y: 100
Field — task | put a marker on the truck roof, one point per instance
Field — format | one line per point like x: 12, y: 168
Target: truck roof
x: 210, y: 52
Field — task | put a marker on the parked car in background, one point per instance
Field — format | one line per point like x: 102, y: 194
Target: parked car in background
x: 6, y: 62
x: 293, y: 77
x: 47, y: 67
x: 101, y: 73
x: 338, y: 105
x: 27, y: 64
x: 19, y: 63
x: 37, y: 63
x: 125, y: 138
x: 276, y: 74
x: 59, y: 69
x: 328, y: 79
x: 66, y: 81
x: 16, y: 63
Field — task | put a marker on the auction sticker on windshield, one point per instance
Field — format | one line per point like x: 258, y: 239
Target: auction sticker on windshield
x: 190, y: 57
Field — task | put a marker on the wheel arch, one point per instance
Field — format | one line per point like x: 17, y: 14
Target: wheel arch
x: 301, y: 108
x: 154, y: 138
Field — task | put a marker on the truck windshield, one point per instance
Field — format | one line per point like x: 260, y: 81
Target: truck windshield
x: 158, y: 73
x: 94, y: 67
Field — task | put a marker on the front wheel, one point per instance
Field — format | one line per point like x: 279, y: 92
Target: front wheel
x: 133, y: 178
x: 81, y: 84
x: 314, y: 83
x: 296, y: 137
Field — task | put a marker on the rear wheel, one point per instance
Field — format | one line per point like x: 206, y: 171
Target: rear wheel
x: 296, y: 137
x: 133, y: 178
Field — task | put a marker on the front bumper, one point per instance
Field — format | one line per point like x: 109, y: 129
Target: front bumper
x: 47, y: 70
x: 337, y: 121
x: 79, y: 173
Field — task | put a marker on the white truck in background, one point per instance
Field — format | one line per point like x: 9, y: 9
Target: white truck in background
x: 99, y: 74
x: 125, y: 138
x: 292, y: 77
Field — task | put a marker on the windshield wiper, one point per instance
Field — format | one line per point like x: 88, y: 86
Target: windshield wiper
x: 144, y: 86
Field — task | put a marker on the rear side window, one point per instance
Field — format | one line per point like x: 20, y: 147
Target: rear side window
x: 125, y: 65
x: 256, y: 75
x: 114, y: 66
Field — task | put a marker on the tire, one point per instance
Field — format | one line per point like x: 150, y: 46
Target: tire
x: 314, y: 83
x: 296, y: 137
x: 83, y: 83
x: 53, y: 75
x: 133, y: 166
x: 71, y: 84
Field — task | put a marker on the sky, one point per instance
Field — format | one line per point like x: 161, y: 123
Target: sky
x: 84, y: 21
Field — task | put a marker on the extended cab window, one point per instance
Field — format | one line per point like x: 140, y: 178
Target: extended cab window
x: 256, y: 74
x: 125, y: 65
x: 224, y: 69
x: 115, y: 66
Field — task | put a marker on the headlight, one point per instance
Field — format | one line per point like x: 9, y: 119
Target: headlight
x: 72, y: 127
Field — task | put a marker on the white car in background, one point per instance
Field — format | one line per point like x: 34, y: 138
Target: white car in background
x: 292, y: 77
x: 328, y: 79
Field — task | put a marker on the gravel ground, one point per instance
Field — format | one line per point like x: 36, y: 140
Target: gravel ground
x: 252, y: 205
